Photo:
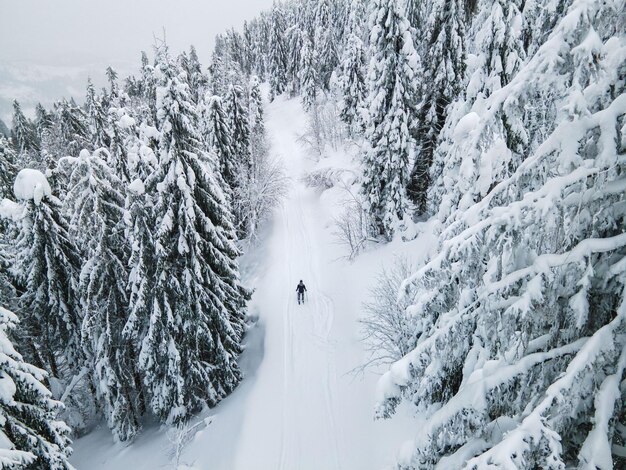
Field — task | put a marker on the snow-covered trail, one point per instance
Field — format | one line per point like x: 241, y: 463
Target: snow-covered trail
x: 299, y: 423
x: 298, y: 407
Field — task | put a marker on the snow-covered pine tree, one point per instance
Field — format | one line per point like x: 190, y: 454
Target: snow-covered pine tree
x: 277, y: 52
x: 236, y: 111
x: 97, y: 118
x: 500, y: 44
x: 220, y: 141
x: 259, y: 30
x: 113, y: 93
x: 255, y: 106
x: 416, y: 14
x: 44, y: 121
x: 147, y: 91
x: 96, y: 201
x: 235, y: 48
x: 308, y: 76
x: 188, y: 355
x: 295, y: 41
x: 71, y: 129
x: 139, y: 233
x: 218, y: 67
x: 324, y: 45
x: 540, y: 18
x: 443, y: 71
x: 497, y: 44
x: 248, y: 49
x: 353, y: 70
x: 238, y: 120
x: 123, y: 134
x: 32, y: 437
x: 47, y: 265
x: 23, y: 132
x: 7, y: 215
x: 139, y: 220
x: 391, y: 105
x: 521, y: 353
x: 7, y: 167
x: 198, y: 81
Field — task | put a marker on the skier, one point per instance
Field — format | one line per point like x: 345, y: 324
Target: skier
x: 301, y: 289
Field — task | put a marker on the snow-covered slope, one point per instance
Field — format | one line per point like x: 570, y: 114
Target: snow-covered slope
x: 299, y: 407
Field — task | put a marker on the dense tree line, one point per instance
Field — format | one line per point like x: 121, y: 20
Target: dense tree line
x: 121, y: 226
x: 503, y: 122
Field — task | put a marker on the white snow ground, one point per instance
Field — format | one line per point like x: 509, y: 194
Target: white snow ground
x: 299, y: 407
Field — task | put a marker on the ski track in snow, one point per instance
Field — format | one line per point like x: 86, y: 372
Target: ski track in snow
x: 309, y: 434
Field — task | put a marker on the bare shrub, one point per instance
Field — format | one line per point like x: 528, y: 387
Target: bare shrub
x: 385, y: 327
x: 178, y: 438
x: 351, y: 226
x: 324, y: 128
x: 264, y: 186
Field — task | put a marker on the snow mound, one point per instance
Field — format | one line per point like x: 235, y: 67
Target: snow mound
x: 31, y: 185
x: 466, y: 125
x: 137, y: 187
x: 10, y: 210
x: 126, y: 122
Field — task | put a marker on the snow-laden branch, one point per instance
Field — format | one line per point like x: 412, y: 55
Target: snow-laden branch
x: 543, y: 263
x: 475, y: 393
x: 535, y: 427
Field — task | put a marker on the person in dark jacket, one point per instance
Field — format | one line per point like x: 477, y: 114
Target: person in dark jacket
x: 301, y: 289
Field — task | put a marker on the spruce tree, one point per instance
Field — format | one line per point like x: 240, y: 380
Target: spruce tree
x: 277, y: 53
x: 220, y: 141
x: 197, y: 79
x: 498, y: 45
x: 391, y: 105
x: 113, y: 95
x: 324, y: 42
x: 248, y: 51
x: 97, y: 118
x: 308, y: 76
x: 23, y: 132
x: 353, y: 80
x: 238, y: 120
x: 7, y: 168
x: 147, y: 87
x: 218, y: 68
x: 139, y: 234
x: 295, y: 40
x: 96, y: 201
x: 139, y: 221
x: 47, y: 266
x: 44, y: 121
x: 255, y: 107
x: 188, y: 355
x: 122, y: 131
x: 71, y: 130
x: 32, y: 436
x: 442, y: 80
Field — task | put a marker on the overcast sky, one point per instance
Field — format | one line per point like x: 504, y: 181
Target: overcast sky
x: 76, y: 32
x: 76, y: 38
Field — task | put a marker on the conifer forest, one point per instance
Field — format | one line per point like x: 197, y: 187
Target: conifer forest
x: 447, y: 178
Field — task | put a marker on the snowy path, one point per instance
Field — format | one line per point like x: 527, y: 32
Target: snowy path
x: 302, y: 370
x: 298, y: 407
